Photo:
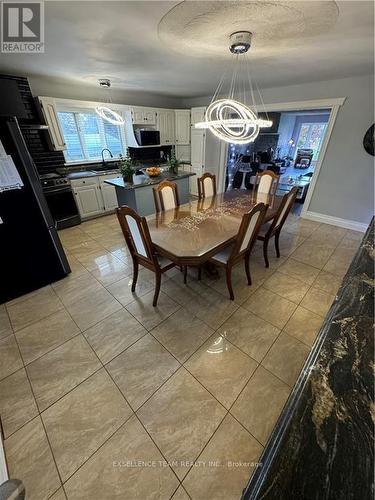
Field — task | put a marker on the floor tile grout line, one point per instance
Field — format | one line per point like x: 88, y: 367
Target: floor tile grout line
x: 132, y: 411
x: 149, y: 331
x: 141, y: 423
x: 40, y: 319
x: 99, y: 447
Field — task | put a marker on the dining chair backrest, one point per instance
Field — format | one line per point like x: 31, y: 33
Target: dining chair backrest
x: 266, y: 182
x: 137, y: 235
x: 284, y: 209
x: 206, y: 185
x: 248, y: 231
x: 166, y: 196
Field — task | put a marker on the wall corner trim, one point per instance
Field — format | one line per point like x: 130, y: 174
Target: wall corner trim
x: 335, y: 221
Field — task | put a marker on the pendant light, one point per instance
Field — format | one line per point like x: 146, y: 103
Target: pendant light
x: 104, y: 111
x: 233, y: 119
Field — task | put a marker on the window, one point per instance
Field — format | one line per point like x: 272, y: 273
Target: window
x: 311, y: 136
x: 86, y: 134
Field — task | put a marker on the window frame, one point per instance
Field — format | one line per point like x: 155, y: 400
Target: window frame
x: 70, y: 107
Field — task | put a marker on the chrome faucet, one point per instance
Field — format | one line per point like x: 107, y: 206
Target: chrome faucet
x: 111, y: 155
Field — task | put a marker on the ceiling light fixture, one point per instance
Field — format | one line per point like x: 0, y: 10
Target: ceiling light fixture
x: 231, y: 119
x: 104, y: 111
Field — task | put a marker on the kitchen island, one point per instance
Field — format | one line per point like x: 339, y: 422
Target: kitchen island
x: 138, y: 195
x: 322, y: 445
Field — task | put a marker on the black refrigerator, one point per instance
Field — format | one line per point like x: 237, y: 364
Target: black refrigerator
x: 31, y: 254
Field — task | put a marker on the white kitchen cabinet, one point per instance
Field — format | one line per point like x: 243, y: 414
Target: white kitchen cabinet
x: 182, y: 126
x: 49, y: 113
x: 94, y: 196
x: 143, y: 116
x: 197, y: 115
x: 88, y: 196
x: 166, y: 126
x: 108, y: 192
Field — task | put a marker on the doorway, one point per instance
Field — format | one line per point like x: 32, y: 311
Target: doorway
x: 291, y: 148
x: 318, y: 138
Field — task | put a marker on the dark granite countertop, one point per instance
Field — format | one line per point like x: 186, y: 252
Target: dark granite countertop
x: 145, y: 180
x: 95, y: 169
x: 322, y: 446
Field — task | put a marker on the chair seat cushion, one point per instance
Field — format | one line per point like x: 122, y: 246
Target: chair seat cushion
x: 223, y: 255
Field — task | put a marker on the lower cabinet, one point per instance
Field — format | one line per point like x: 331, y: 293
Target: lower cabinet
x: 108, y: 192
x: 94, y: 196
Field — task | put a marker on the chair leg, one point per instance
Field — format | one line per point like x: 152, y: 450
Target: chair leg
x: 265, y: 252
x: 247, y: 268
x: 199, y: 273
x: 185, y: 274
x: 135, y: 274
x: 277, y: 235
x: 228, y: 270
x: 157, y: 288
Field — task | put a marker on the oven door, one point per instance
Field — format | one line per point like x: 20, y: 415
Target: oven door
x: 63, y: 207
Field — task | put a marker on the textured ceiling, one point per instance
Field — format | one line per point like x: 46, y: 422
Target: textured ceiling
x: 294, y: 42
x: 202, y: 29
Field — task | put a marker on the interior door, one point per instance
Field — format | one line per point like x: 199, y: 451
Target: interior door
x: 198, y: 139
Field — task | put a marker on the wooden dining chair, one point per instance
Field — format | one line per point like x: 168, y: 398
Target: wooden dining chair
x: 242, y: 246
x: 266, y: 182
x: 274, y: 227
x: 142, y: 251
x: 206, y: 185
x: 166, y: 196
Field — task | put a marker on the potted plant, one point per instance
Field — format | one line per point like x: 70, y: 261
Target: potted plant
x: 173, y: 162
x: 127, y: 168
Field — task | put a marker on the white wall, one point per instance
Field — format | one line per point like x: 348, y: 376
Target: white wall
x: 345, y: 187
x: 53, y: 87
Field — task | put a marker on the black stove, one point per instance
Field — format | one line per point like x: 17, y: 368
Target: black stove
x: 54, y: 180
x: 60, y: 199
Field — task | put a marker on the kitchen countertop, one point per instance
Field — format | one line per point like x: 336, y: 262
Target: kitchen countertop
x: 90, y: 173
x: 81, y: 171
x: 322, y: 445
x: 145, y: 180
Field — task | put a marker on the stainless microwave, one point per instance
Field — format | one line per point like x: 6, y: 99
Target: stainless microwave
x: 147, y: 137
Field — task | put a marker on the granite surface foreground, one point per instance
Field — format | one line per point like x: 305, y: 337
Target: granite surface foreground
x: 323, y: 444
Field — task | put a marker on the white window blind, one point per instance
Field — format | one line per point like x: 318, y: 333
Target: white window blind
x: 86, y: 134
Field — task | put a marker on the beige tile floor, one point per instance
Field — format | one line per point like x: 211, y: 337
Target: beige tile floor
x: 103, y: 396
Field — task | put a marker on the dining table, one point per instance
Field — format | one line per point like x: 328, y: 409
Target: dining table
x: 192, y: 233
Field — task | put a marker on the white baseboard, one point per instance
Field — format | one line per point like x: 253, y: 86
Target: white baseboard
x: 335, y: 221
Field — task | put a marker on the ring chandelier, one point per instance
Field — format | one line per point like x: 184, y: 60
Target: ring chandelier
x: 104, y: 111
x: 228, y: 118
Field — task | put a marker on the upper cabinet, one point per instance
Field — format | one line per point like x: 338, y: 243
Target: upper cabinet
x: 197, y: 115
x: 143, y: 116
x: 182, y: 126
x: 48, y: 110
x: 166, y: 126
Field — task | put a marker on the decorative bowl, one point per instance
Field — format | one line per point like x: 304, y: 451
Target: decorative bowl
x: 153, y: 171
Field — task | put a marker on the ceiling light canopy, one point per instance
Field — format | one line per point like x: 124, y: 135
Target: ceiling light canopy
x: 233, y: 119
x: 104, y: 111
